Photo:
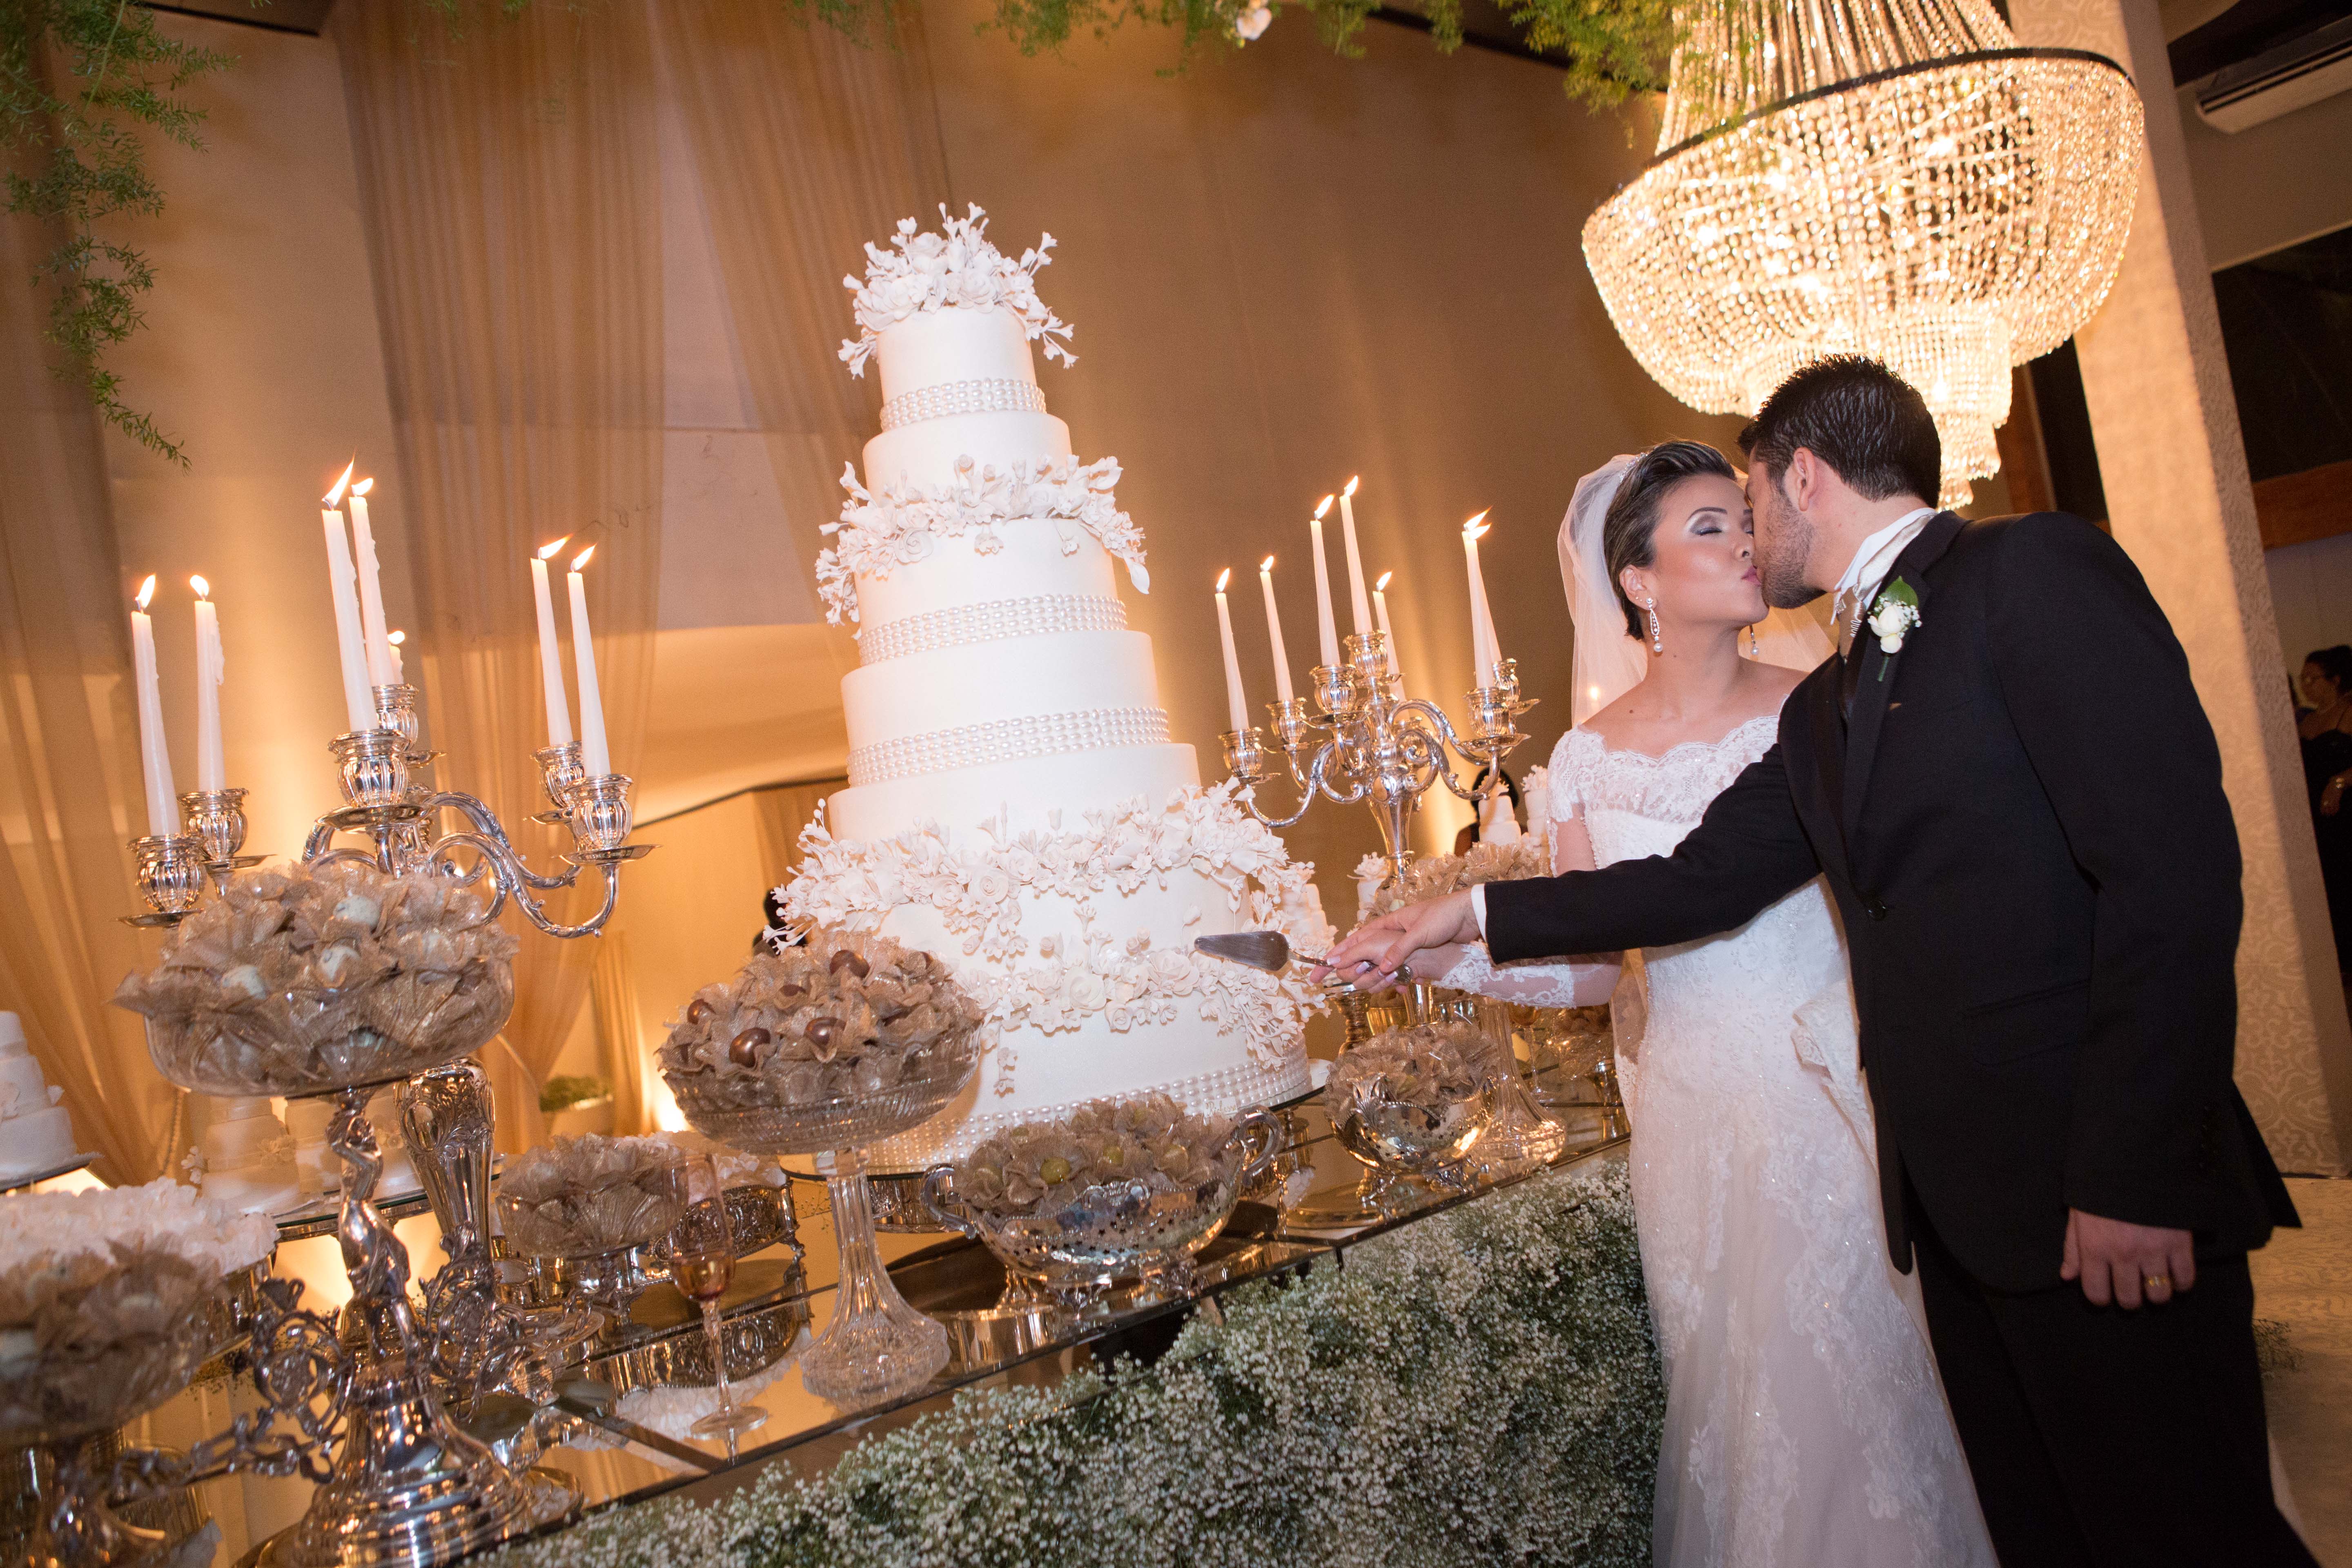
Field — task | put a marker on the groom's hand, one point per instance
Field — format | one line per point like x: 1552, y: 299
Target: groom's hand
x: 1385, y: 943
x: 2125, y: 1263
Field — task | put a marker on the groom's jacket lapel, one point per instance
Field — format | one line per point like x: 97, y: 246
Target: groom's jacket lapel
x: 1865, y: 724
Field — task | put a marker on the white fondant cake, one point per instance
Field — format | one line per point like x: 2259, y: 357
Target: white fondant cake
x: 246, y: 1158
x: 1014, y: 804
x: 36, y: 1134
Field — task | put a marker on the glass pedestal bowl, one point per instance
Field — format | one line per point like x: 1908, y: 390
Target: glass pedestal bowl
x: 54, y: 1403
x: 1114, y: 1231
x: 874, y: 1346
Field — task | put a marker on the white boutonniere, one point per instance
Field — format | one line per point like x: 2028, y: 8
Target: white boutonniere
x: 1894, y: 616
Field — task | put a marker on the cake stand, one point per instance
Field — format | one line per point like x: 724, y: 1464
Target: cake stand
x: 874, y: 1346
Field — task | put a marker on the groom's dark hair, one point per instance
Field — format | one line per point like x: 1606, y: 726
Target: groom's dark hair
x: 1860, y: 419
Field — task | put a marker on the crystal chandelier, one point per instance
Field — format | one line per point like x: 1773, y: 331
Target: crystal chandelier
x: 1890, y: 177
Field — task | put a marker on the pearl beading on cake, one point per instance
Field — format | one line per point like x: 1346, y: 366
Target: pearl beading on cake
x: 1007, y: 740
x: 998, y: 395
x: 1037, y: 617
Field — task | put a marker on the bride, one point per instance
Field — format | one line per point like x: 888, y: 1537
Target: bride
x: 1804, y: 1423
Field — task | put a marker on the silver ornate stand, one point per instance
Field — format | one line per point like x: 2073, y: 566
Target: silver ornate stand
x: 1384, y: 750
x: 408, y: 1487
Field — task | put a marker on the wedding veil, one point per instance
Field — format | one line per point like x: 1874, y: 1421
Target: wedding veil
x: 1605, y: 663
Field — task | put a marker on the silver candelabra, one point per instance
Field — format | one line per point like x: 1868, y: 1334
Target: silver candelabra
x: 1383, y: 749
x: 373, y: 771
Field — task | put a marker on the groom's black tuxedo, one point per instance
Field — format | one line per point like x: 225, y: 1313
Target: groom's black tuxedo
x: 2022, y: 820
x: 2019, y: 814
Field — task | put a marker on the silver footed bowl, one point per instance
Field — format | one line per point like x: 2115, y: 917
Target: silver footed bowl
x: 312, y: 1040
x: 931, y: 1079
x: 1117, y: 1230
x: 1409, y: 1137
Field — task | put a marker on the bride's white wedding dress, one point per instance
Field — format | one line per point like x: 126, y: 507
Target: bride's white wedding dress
x: 1804, y: 1425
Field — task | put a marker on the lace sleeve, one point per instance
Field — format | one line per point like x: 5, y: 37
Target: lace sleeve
x: 1534, y: 982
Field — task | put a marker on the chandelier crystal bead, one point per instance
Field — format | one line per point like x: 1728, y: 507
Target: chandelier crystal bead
x: 1897, y: 180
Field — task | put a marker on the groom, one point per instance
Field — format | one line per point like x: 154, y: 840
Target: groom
x: 2009, y: 783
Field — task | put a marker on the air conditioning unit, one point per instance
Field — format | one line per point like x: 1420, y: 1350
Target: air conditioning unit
x: 2278, y: 81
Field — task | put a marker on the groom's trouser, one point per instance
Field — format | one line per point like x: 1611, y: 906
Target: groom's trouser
x: 2101, y: 1437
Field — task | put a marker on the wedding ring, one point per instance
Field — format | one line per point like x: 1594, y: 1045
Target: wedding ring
x: 2155, y: 1282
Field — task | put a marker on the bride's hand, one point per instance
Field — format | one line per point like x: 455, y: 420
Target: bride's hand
x: 1386, y: 943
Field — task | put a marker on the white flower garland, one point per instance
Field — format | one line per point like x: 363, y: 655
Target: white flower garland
x: 960, y: 267
x: 978, y: 885
x: 879, y: 534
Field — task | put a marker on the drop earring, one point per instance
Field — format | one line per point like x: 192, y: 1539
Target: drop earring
x: 1751, y: 639
x: 1656, y: 645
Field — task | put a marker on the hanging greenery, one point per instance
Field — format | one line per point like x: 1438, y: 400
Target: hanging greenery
x: 80, y: 81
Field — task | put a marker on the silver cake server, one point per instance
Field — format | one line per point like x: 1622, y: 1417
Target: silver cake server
x: 1271, y: 952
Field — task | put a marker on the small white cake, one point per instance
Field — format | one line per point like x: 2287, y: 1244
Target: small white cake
x: 36, y: 1134
x: 247, y: 1158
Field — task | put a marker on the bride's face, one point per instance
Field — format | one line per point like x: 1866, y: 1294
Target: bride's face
x: 1703, y: 557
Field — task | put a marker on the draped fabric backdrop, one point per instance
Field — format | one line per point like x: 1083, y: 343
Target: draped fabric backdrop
x: 619, y: 1035
x: 509, y: 171
x: 69, y: 784
x: 808, y: 145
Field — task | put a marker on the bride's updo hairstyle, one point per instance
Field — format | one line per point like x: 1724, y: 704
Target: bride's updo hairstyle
x: 1628, y: 528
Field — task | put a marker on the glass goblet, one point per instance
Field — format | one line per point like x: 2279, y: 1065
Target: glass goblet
x: 703, y: 1265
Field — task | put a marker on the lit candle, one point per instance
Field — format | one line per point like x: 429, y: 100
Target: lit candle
x: 1482, y: 620
x: 1360, y: 613
x: 210, y: 771
x: 1273, y: 631
x: 358, y: 704
x: 393, y: 640
x: 1327, y: 632
x: 379, y: 646
x: 594, y: 755
x: 154, y: 757
x: 1237, y: 710
x: 550, y: 661
x: 1380, y: 613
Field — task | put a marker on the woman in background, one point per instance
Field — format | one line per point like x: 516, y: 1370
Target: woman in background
x: 2326, y: 729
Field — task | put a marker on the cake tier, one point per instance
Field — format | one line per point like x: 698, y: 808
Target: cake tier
x: 954, y: 344
x: 1034, y: 1073
x: 925, y: 456
x: 1032, y: 557
x: 37, y: 1140
x: 1026, y: 792
x: 977, y: 686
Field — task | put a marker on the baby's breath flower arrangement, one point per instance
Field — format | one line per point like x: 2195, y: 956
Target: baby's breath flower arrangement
x: 1475, y: 1388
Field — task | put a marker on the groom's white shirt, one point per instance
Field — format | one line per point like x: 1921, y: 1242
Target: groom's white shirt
x: 1859, y: 582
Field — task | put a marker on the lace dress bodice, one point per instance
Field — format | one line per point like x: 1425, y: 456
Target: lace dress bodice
x: 1804, y: 1424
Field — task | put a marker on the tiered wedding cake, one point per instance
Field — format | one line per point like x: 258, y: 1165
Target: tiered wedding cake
x: 1014, y: 804
x: 35, y: 1134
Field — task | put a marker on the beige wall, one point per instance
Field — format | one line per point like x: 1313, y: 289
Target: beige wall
x: 261, y: 354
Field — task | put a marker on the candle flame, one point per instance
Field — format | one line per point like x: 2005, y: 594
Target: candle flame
x: 547, y: 552
x: 204, y: 589
x: 1224, y: 577
x: 1325, y: 505
x: 581, y: 558
x: 364, y: 486
x: 1382, y: 586
x: 146, y: 591
x: 1353, y: 480
x: 335, y: 496
x: 1266, y: 564
x: 395, y: 637
x: 1476, y: 527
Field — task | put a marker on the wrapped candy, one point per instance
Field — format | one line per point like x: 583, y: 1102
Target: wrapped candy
x: 300, y: 979
x: 1430, y: 1066
x: 1042, y: 1167
x: 844, y: 1017
x: 577, y: 1198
